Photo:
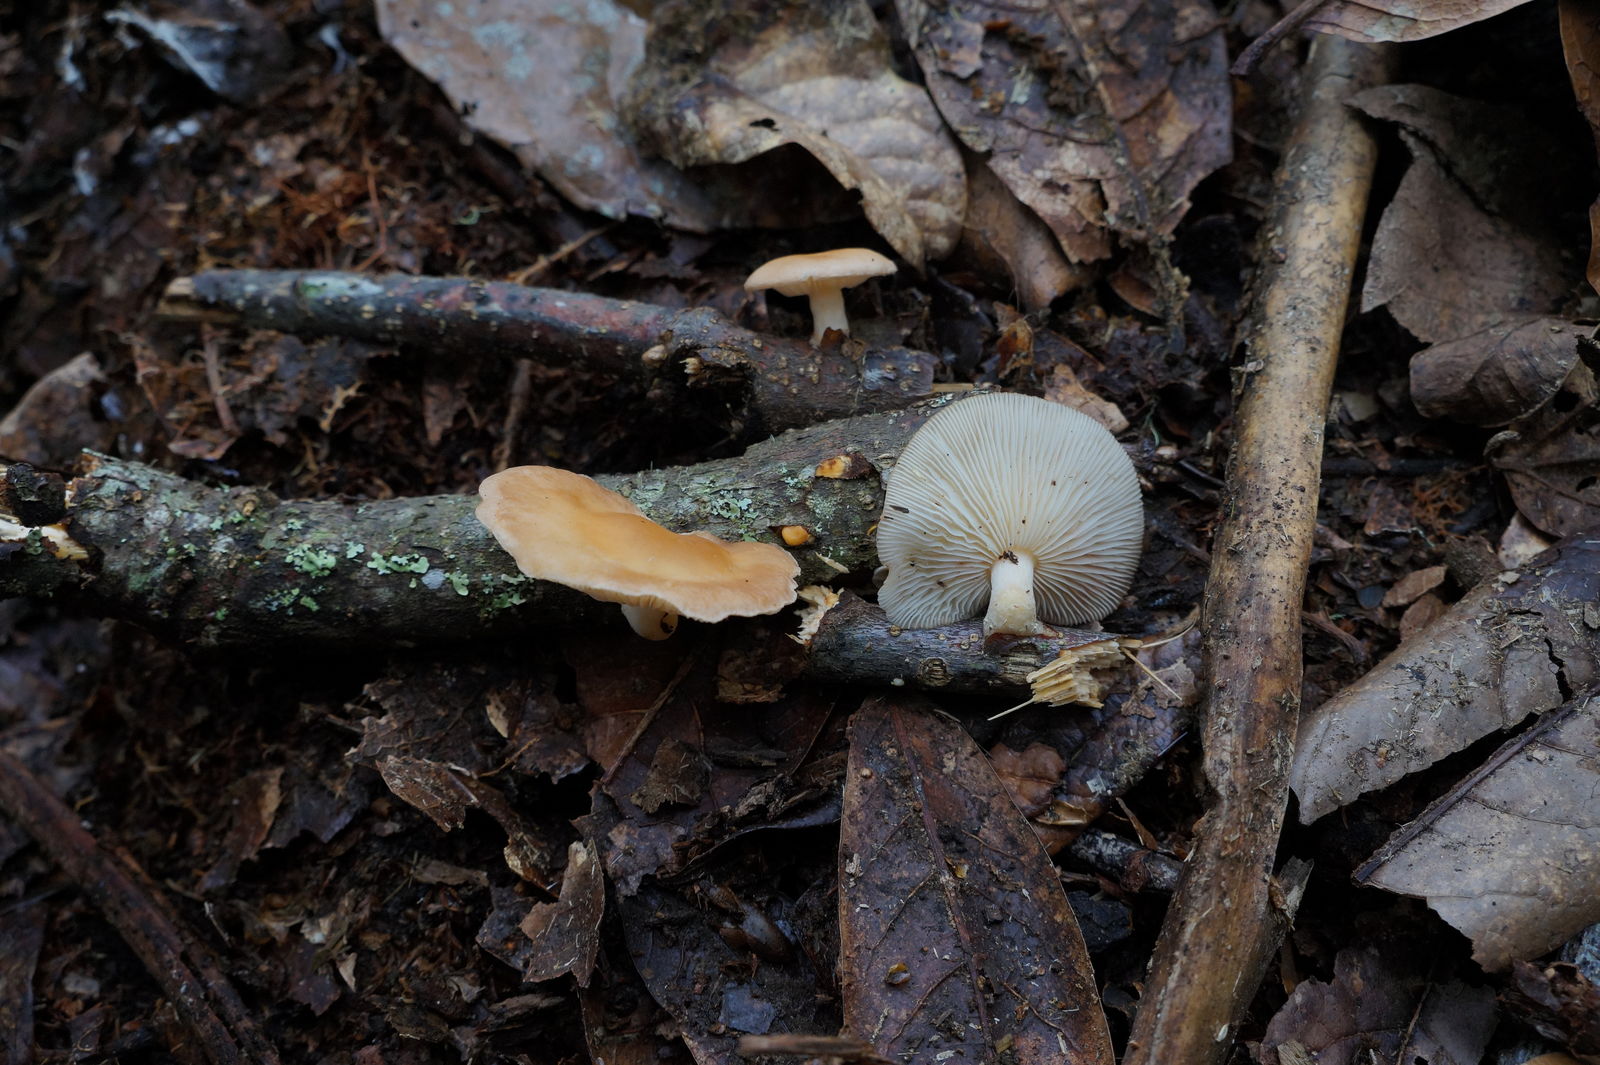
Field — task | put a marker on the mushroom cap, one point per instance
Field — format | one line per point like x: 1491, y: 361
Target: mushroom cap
x: 564, y: 527
x: 800, y: 275
x: 1003, y: 472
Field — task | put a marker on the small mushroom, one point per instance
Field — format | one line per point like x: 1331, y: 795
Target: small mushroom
x: 564, y: 527
x: 822, y: 276
x: 1022, y: 503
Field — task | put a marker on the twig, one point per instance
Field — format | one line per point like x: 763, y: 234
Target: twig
x: 192, y: 980
x: 232, y: 567
x: 785, y: 381
x: 1136, y: 868
x: 1250, y: 58
x: 1228, y: 913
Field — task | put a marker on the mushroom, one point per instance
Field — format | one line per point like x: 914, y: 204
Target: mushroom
x: 822, y: 276
x: 566, y: 528
x: 1020, y: 502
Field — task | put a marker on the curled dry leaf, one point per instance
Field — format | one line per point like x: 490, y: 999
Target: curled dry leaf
x: 1503, y: 652
x: 1499, y: 374
x: 1469, y: 237
x: 1102, y: 117
x: 949, y: 907
x: 1511, y: 856
x: 542, y: 78
x: 1377, y: 1005
x: 721, y: 87
x: 1551, y: 458
x: 1402, y: 20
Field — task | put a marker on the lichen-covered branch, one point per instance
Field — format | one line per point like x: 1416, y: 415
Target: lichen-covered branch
x: 786, y: 382
x: 229, y: 567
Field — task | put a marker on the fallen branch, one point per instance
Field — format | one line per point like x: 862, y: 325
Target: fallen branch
x: 786, y: 382
x: 228, y: 567
x: 1228, y: 913
x: 191, y: 977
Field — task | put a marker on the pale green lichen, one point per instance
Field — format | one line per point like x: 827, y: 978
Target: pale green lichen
x: 460, y: 582
x: 312, y: 561
x: 294, y: 524
x: 397, y: 563
x: 352, y: 549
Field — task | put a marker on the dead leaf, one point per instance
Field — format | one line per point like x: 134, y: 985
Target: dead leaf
x: 1560, y: 1002
x: 566, y: 933
x: 55, y: 418
x: 1503, y: 652
x: 1005, y: 236
x: 948, y: 905
x: 721, y: 86
x: 1498, y: 375
x: 542, y: 78
x: 1030, y: 776
x: 1375, y: 1006
x: 1580, y: 43
x: 1511, y: 856
x: 1402, y: 20
x: 1100, y: 117
x: 1551, y: 458
x: 1468, y: 238
x: 1065, y: 388
x: 237, y: 50
x: 1414, y: 585
x: 1420, y: 614
x: 253, y: 801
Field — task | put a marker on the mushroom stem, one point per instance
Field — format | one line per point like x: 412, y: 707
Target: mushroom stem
x: 827, y: 312
x: 1011, y: 606
x: 651, y: 622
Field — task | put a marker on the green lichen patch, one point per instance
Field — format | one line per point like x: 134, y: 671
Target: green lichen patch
x: 312, y: 561
x: 397, y: 563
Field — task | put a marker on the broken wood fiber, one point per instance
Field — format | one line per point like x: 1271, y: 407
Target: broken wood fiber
x: 785, y: 382
x: 1227, y: 915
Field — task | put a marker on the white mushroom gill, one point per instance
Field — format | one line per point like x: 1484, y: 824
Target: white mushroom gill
x: 1017, y: 502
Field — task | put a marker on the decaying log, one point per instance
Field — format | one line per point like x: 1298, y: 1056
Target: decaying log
x: 786, y: 382
x: 1228, y: 913
x: 238, y: 567
x: 193, y: 979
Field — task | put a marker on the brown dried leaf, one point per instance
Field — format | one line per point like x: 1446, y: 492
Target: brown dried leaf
x: 54, y: 419
x: 1511, y: 856
x: 1402, y: 20
x: 1580, y: 43
x: 1101, y: 117
x: 1414, y: 586
x: 542, y: 78
x: 1551, y: 458
x: 566, y: 933
x: 948, y: 905
x: 1469, y: 238
x: 1498, y: 375
x: 725, y: 87
x: 1503, y: 652
x: 1003, y: 235
x: 1371, y: 1007
x: 1031, y: 776
x: 1560, y: 1002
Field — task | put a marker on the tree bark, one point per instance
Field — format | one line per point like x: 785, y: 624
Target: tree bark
x: 785, y: 383
x: 234, y: 567
x: 1228, y: 912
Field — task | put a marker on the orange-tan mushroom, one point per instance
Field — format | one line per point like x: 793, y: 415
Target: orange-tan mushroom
x: 566, y: 528
x: 821, y: 277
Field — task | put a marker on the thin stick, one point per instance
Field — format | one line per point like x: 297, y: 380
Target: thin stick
x: 1228, y: 913
x: 192, y: 980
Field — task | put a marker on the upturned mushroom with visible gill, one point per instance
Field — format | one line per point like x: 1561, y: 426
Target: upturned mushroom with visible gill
x: 1017, y: 502
x: 566, y: 528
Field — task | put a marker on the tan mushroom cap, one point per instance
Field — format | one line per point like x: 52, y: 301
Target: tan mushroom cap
x: 822, y: 276
x: 1015, y: 502
x: 564, y: 527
